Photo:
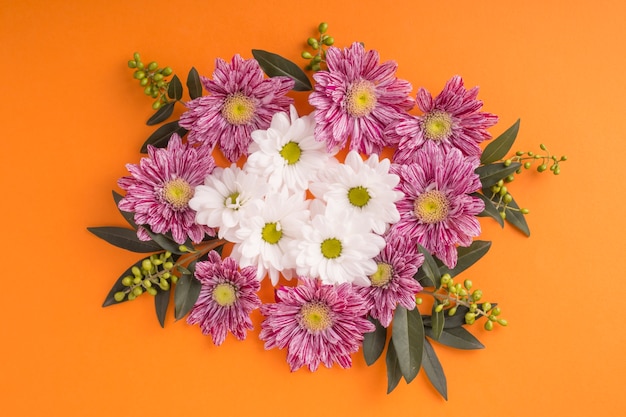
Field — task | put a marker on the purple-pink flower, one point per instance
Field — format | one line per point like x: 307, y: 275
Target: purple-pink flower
x: 393, y: 282
x: 357, y: 98
x: 227, y: 298
x: 317, y: 323
x: 160, y: 187
x: 240, y: 101
x: 451, y: 120
x: 438, y: 211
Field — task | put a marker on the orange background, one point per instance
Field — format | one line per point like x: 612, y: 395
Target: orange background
x: 72, y: 117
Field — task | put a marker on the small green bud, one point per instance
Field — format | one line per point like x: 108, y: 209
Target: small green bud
x: 527, y: 165
x: 168, y: 254
x: 329, y: 41
x: 564, y: 158
x: 495, y: 189
x: 166, y: 275
x: 473, y: 307
x: 543, y: 147
x: 137, y: 291
x: 143, y: 82
x: 181, y: 248
x: 306, y: 55
x: 315, y: 67
x: 140, y: 65
x: 174, y: 279
x: 152, y: 66
x: 132, y: 64
x: 524, y: 211
x: 157, y: 104
x: 168, y: 265
x: 489, y: 325
x: 503, y: 322
x: 467, y: 284
x: 507, y: 198
x: 158, y: 77
x: 136, y: 56
x: 323, y: 27
x: 119, y: 296
x: 139, y: 74
x: 500, y: 183
x: 507, y: 163
x: 518, y: 171
x: 519, y: 153
x: 311, y: 41
x: 542, y: 167
x: 146, y: 283
x: 148, y: 90
x: 531, y: 153
x: 164, y: 285
x: 127, y: 281
x: 146, y: 265
x: 151, y: 291
x: 316, y: 59
x: 503, y: 190
x: 439, y: 308
x: 463, y: 292
x: 537, y: 156
x: 470, y: 318
x: 131, y: 296
x: 495, y: 311
x: 503, y: 215
x: 137, y: 280
x: 510, y: 178
x: 452, y: 311
x: 445, y: 278
x: 477, y: 295
x: 557, y: 170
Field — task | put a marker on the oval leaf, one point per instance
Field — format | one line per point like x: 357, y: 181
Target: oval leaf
x: 161, y: 301
x: 162, y: 114
x: 467, y: 256
x: 129, y: 217
x: 499, y: 147
x: 117, y: 287
x: 175, y: 89
x: 275, y: 65
x: 490, y: 209
x: 164, y: 241
x: 407, y: 335
x: 374, y: 342
x: 193, y: 84
x: 492, y: 173
x: 457, y: 337
x: 434, y: 370
x: 394, y: 374
x: 125, y: 239
x: 162, y: 135
x: 516, y: 218
x: 185, y: 295
x: 430, y: 269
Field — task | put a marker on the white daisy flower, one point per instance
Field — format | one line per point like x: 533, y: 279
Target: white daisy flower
x: 227, y: 196
x: 265, y: 235
x: 365, y: 189
x: 287, y: 152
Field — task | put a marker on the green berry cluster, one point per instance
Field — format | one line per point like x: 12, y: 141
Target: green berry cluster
x: 155, y: 271
x: 318, y: 57
x: 546, y: 162
x: 501, y: 197
x: 152, y: 79
x: 453, y: 294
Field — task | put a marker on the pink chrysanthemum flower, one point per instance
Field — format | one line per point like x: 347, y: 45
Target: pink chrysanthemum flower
x: 451, y: 120
x: 438, y: 211
x: 356, y: 98
x: 160, y: 187
x: 317, y: 323
x: 227, y: 298
x: 240, y: 101
x: 393, y: 281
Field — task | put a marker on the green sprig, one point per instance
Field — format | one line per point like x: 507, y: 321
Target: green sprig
x: 152, y: 79
x: 317, y: 59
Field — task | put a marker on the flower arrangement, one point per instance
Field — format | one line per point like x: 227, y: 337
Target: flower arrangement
x: 351, y: 239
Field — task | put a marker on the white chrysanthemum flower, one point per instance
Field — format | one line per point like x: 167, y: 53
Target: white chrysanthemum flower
x: 287, y: 152
x: 265, y: 235
x: 227, y: 196
x: 365, y: 189
x: 337, y: 249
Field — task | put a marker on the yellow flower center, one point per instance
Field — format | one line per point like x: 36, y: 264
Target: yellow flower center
x: 238, y: 109
x: 431, y: 207
x: 177, y: 193
x: 291, y: 152
x: 358, y: 196
x: 382, y: 276
x: 361, y: 98
x: 271, y: 233
x: 437, y: 125
x: 315, y: 316
x: 232, y: 201
x: 225, y: 294
x: 331, y: 248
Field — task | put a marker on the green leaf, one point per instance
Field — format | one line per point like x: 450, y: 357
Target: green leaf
x: 162, y: 135
x: 516, y: 218
x: 117, y: 287
x: 162, y: 114
x: 394, y: 374
x: 492, y: 173
x: 429, y: 269
x: 185, y: 295
x: 499, y: 147
x: 433, y: 369
x: 161, y: 301
x: 163, y: 241
x: 275, y: 65
x: 490, y: 209
x: 437, y: 321
x: 407, y: 335
x: 457, y: 337
x: 468, y: 256
x: 193, y: 84
x: 130, y: 217
x: 175, y: 89
x: 125, y: 239
x: 374, y: 342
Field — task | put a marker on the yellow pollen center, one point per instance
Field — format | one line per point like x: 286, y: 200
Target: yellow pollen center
x: 361, y: 98
x: 437, y: 125
x: 358, y: 196
x: 225, y: 294
x: 315, y: 316
x: 382, y: 276
x: 232, y: 201
x: 271, y: 233
x: 238, y: 109
x: 177, y: 193
x: 431, y: 207
x: 331, y: 248
x: 291, y: 152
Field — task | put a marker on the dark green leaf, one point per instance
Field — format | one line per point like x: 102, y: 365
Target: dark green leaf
x: 407, y: 334
x: 467, y: 256
x: 193, y: 84
x: 175, y: 89
x: 161, y: 301
x: 275, y: 65
x: 117, y: 287
x: 130, y: 217
x: 125, y: 239
x: 433, y: 369
x: 457, y: 337
x: 516, y: 218
x: 437, y: 321
x: 162, y: 135
x: 162, y: 114
x: 492, y: 173
x: 185, y: 295
x: 430, y: 268
x: 394, y: 374
x: 163, y: 241
x: 490, y: 209
x: 374, y: 342
x: 499, y: 147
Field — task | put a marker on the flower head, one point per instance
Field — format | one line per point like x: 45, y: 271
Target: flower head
x: 437, y: 210
x: 227, y: 298
x: 356, y: 98
x: 159, y: 189
x: 451, y: 120
x: 317, y: 323
x: 240, y: 101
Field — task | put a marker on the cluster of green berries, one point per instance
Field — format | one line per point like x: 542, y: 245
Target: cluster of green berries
x: 318, y: 57
x: 463, y: 294
x: 501, y: 193
x: 547, y: 162
x: 155, y: 272
x: 152, y: 79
